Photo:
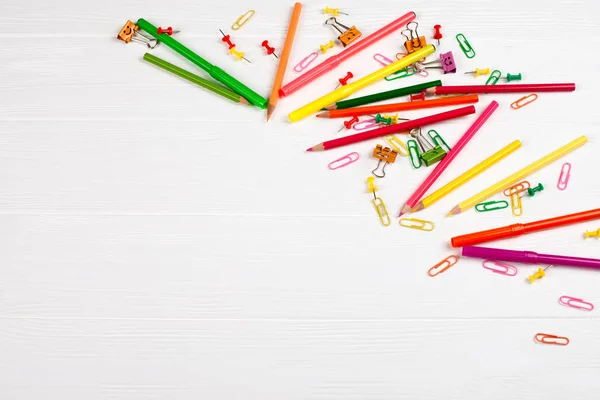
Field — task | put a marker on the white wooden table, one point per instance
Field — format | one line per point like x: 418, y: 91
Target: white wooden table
x: 158, y: 242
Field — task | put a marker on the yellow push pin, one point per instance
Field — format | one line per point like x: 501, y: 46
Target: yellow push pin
x: 372, y: 188
x: 539, y: 274
x: 327, y: 46
x: 238, y: 54
x: 478, y: 72
x: 589, y: 234
x: 333, y: 11
x: 394, y: 118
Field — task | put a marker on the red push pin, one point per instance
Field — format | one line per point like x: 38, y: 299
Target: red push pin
x: 420, y: 96
x: 270, y: 50
x: 227, y: 39
x: 344, y: 81
x: 169, y: 31
x: 348, y: 124
x: 437, y: 35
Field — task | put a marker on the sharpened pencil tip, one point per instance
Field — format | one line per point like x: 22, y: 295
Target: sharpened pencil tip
x: 309, y: 149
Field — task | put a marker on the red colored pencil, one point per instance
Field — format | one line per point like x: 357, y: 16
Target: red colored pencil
x: 520, y: 88
x: 404, y: 106
x: 442, y: 165
x: 391, y: 129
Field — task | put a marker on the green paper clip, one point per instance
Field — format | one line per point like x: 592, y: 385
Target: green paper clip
x: 438, y: 140
x: 465, y: 46
x: 403, y: 73
x: 415, y: 153
x: 494, y: 77
x: 491, y: 206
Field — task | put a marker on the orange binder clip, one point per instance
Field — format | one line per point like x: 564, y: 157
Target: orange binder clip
x: 546, y: 338
x: 413, y: 42
x: 385, y: 154
x: 130, y: 31
x: 347, y: 35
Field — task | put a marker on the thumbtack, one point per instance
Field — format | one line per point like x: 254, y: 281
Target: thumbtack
x: 513, y: 77
x: 227, y: 39
x: 417, y: 96
x: 393, y: 118
x: 379, y: 119
x: 348, y: 124
x: 270, y: 50
x: 534, y: 190
x: 238, y: 54
x: 333, y: 11
x: 344, y: 81
x: 589, y: 234
x: 437, y: 35
x: 539, y: 274
x: 325, y: 47
x: 169, y: 31
x: 478, y: 72
x: 372, y: 188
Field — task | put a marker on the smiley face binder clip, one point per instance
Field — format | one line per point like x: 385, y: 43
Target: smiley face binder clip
x: 445, y: 63
x: 347, y: 35
x: 130, y: 32
x: 386, y: 156
x: 413, y: 42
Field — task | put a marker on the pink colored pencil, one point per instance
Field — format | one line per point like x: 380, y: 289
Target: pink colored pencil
x: 442, y: 165
x: 335, y: 60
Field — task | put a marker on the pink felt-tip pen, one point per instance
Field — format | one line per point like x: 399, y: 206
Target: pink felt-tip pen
x: 528, y: 257
x: 333, y: 61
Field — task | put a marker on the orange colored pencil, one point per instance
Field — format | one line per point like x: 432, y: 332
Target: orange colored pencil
x: 284, y: 58
x: 404, y: 106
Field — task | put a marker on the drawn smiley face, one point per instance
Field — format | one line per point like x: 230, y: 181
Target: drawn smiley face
x: 127, y: 32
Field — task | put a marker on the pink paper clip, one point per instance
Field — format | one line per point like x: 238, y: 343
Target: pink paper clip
x: 366, y: 124
x: 344, y: 161
x: 574, y: 302
x: 565, y: 175
x: 381, y: 59
x: 500, y: 267
x: 306, y: 61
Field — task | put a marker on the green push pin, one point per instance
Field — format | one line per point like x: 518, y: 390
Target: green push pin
x: 379, y: 119
x: 532, y: 191
x: 515, y: 77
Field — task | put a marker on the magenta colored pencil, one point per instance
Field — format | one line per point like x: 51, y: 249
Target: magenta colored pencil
x: 333, y: 61
x: 528, y: 257
x: 442, y: 165
x: 511, y: 88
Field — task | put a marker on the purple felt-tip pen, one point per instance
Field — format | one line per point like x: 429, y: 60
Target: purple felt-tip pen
x: 528, y: 257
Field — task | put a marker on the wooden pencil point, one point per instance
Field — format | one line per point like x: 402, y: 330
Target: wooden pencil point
x: 418, y: 207
x: 270, y: 109
x: 430, y: 90
x: 454, y: 211
x: 323, y: 115
x: 244, y: 101
x: 405, y: 210
x: 332, y: 107
x: 318, y: 147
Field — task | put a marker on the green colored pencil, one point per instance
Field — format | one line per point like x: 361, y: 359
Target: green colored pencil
x: 213, y: 87
x: 390, y: 94
x: 217, y: 73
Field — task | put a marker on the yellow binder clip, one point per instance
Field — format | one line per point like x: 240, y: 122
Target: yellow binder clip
x: 419, y: 224
x: 241, y: 21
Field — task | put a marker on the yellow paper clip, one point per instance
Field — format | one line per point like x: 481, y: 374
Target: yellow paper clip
x: 381, y: 211
x: 589, y: 234
x: 325, y: 47
x: 523, y: 101
x: 419, y: 224
x: 516, y: 204
x: 443, y: 265
x: 241, y: 21
x: 397, y: 144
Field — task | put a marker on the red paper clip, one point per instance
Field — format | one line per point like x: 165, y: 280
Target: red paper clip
x: 546, y: 338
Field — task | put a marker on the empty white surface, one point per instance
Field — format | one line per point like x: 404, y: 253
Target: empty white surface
x: 158, y: 242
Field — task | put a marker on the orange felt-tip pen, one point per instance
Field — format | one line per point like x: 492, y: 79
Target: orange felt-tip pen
x: 522, y: 229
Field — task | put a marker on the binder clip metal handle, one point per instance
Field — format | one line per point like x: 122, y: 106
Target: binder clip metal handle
x: 335, y: 24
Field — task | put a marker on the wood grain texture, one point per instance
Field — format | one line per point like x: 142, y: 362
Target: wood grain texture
x: 158, y: 242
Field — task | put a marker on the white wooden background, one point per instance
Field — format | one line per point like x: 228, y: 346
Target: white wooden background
x: 158, y: 242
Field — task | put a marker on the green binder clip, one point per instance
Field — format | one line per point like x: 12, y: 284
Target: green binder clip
x: 430, y: 154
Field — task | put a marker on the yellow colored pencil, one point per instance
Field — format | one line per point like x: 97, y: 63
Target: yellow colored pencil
x: 517, y: 176
x: 467, y: 176
x: 347, y: 90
